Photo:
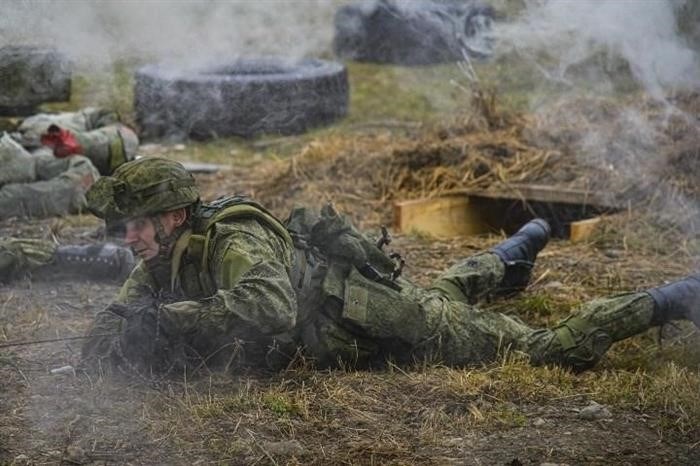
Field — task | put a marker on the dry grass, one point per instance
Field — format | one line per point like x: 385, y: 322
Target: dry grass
x: 423, y: 414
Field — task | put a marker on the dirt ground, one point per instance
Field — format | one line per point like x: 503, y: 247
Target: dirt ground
x: 507, y: 413
x: 641, y: 405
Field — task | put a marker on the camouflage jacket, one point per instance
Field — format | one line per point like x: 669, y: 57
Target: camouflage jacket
x: 230, y: 287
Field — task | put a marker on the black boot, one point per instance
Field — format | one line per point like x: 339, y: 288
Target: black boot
x: 677, y: 300
x: 99, y: 261
x: 519, y: 252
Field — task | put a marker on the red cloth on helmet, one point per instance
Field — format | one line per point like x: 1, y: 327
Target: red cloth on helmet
x: 62, y: 142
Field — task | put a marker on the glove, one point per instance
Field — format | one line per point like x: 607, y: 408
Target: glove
x: 143, y: 341
x: 337, y: 237
x: 62, y: 142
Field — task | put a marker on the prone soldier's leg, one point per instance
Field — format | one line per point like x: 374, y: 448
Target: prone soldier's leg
x: 408, y: 324
x: 96, y: 117
x: 97, y: 261
x: 60, y: 195
x: 416, y: 323
x: 579, y: 341
x: 472, y: 279
x: 19, y: 256
x: 504, y: 269
x: 109, y: 147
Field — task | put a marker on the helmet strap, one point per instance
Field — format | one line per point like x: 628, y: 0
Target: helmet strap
x: 164, y: 241
x: 159, y: 266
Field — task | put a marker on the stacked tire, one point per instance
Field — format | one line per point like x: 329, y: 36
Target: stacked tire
x: 30, y: 76
x: 246, y: 97
x: 420, y: 32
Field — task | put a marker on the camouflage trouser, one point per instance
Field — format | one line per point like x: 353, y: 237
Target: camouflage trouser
x: 369, y: 321
x: 60, y: 188
x: 109, y: 147
x: 30, y: 131
x: 19, y: 256
x: 105, y: 141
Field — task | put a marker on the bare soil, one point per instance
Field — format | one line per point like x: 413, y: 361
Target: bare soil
x: 506, y: 413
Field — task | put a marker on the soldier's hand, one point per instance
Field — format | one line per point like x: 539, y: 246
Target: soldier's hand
x: 144, y: 341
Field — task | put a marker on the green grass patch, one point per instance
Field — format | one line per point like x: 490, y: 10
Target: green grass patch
x: 281, y: 404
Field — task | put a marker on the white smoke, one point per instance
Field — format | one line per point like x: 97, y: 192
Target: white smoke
x: 587, y: 52
x: 565, y: 34
x: 186, y: 32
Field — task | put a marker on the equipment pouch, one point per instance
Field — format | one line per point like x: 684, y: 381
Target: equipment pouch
x: 382, y: 312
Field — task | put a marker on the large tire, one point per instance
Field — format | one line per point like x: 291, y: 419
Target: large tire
x: 30, y: 76
x: 244, y: 98
x: 421, y: 32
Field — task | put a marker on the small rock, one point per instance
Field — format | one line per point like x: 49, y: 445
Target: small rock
x: 539, y: 422
x: 21, y: 459
x: 613, y: 253
x: 75, y: 454
x: 555, y: 285
x: 179, y: 147
x: 594, y: 411
x: 454, y: 442
x: 62, y: 370
x: 284, y: 448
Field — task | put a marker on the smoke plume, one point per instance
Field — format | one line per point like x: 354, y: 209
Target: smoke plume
x: 615, y: 76
x: 186, y: 32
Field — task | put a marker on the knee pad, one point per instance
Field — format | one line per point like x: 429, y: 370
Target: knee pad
x: 582, y: 345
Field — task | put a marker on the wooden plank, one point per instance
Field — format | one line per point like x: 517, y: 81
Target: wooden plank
x: 451, y: 216
x: 543, y: 193
x: 443, y: 216
x: 583, y: 229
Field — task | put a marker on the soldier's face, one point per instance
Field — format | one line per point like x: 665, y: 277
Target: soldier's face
x: 140, y: 236
x: 140, y: 233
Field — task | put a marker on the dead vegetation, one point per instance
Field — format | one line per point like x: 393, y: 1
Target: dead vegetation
x: 504, y: 413
x: 636, y: 152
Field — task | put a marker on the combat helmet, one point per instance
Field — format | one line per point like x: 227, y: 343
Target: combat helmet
x: 143, y: 187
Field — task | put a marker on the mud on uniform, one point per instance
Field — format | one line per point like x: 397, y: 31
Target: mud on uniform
x: 241, y: 290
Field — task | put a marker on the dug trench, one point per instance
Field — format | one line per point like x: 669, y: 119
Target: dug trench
x: 504, y: 413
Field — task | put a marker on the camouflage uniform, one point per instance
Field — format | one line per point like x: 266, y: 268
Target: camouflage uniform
x: 40, y: 185
x: 37, y: 184
x: 20, y: 257
x: 105, y: 141
x: 241, y: 288
x: 365, y: 322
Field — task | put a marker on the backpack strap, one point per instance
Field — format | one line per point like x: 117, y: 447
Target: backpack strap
x: 238, y: 208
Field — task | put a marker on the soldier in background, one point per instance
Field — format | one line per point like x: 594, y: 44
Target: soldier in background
x: 227, y: 282
x: 52, y: 159
x: 95, y: 133
x: 22, y: 257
